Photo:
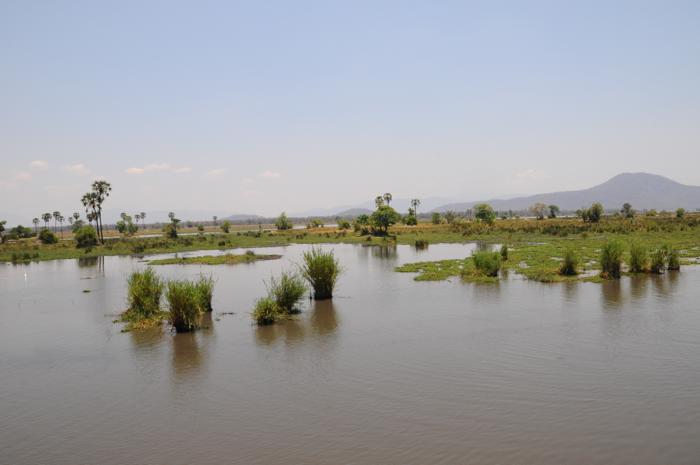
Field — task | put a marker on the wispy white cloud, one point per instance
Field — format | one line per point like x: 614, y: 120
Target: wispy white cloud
x: 39, y: 164
x: 270, y: 174
x: 157, y: 167
x: 78, y: 168
x: 217, y: 172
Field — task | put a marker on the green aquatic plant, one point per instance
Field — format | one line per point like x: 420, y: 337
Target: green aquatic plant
x: 487, y: 263
x: 266, y: 311
x: 185, y: 304
x: 322, y: 270
x: 570, y: 264
x: 205, y: 292
x: 145, y: 289
x: 287, y: 290
x: 639, y: 258
x: 673, y: 259
x: 504, y: 252
x: 611, y: 259
x: 658, y: 260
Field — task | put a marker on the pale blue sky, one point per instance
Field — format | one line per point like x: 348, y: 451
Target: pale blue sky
x: 268, y: 106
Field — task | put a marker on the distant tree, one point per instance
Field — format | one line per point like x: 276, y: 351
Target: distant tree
x: 226, y: 226
x: 553, y: 211
x: 93, y: 200
x: 378, y: 201
x: 387, y: 198
x: 56, y: 215
x: 85, y: 236
x: 126, y: 225
x: 382, y: 218
x: 538, y: 210
x: 651, y: 212
x: 143, y: 219
x: 2, y: 231
x: 343, y: 224
x: 361, y: 224
x: 46, y: 217
x: 436, y: 218
x: 595, y: 213
x: 627, y: 210
x: 680, y: 213
x: 484, y: 213
x: 215, y: 218
x: 19, y: 232
x: 170, y: 229
x: 137, y: 217
x: 61, y: 219
x: 36, y: 224
x: 282, y: 223
x: 411, y: 219
x: 450, y: 216
x: 415, y: 203
x: 76, y: 216
x: 47, y: 237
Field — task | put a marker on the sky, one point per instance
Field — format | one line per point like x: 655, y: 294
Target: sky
x: 259, y: 107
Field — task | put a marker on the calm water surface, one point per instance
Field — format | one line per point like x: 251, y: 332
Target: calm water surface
x: 391, y: 372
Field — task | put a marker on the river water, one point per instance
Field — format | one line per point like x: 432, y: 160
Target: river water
x: 391, y: 371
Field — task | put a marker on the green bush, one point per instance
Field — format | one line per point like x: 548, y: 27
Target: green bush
x: 487, y: 263
x: 504, y: 252
x: 85, y: 237
x: 170, y: 231
x: 185, y: 305
x: 611, y: 259
x: 436, y: 218
x: 205, y: 292
x: 658, y: 260
x: 47, y: 237
x: 145, y: 291
x: 570, y: 264
x: 673, y: 260
x: 322, y: 270
x: 266, y: 311
x: 639, y: 258
x: 287, y: 290
x: 282, y: 223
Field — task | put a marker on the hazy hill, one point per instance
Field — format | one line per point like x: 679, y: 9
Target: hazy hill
x: 642, y: 190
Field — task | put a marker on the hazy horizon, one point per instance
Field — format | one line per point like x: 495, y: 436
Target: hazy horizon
x: 252, y: 108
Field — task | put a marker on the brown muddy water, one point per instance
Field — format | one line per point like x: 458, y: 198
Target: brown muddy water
x: 391, y: 372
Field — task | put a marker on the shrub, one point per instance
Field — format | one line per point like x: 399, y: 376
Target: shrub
x: 680, y: 213
x: 639, y: 258
x: 322, y: 270
x: 658, y: 260
x: 145, y: 290
x: 421, y: 244
x: 85, y: 236
x: 504, y: 252
x: 382, y: 218
x: 226, y: 226
x: 570, y: 264
x: 436, y: 218
x: 287, y: 290
x: 611, y: 259
x: 282, y: 223
x: 205, y: 292
x: 484, y: 212
x: 170, y: 231
x: 487, y: 263
x: 185, y: 305
x: 47, y: 237
x: 673, y: 260
x: 344, y: 224
x: 266, y: 311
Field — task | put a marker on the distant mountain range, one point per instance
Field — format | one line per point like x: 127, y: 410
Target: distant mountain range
x: 642, y: 190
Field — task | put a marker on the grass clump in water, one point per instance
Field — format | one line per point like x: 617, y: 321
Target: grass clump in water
x: 287, y: 290
x: 639, y: 258
x: 504, y: 252
x: 322, y: 270
x: 487, y: 263
x: 205, y: 292
x: 658, y: 260
x: 570, y: 264
x: 267, y: 311
x: 145, y: 290
x: 611, y: 260
x: 673, y: 260
x: 185, y: 303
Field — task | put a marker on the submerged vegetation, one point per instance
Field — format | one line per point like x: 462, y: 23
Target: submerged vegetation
x: 322, y: 270
x: 227, y: 259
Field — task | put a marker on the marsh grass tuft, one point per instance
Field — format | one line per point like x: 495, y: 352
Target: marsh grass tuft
x: 322, y: 270
x: 611, y: 259
x: 570, y: 264
x: 639, y: 258
x: 658, y: 260
x: 287, y: 290
x: 145, y: 291
x: 267, y: 311
x: 205, y: 292
x: 185, y: 303
x: 487, y: 263
x: 504, y: 252
x: 673, y: 260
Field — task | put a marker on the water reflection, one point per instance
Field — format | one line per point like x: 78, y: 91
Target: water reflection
x: 611, y: 293
x: 384, y: 251
x: 187, y: 358
x: 321, y: 320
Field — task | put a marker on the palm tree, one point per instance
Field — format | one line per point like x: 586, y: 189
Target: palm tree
x: 56, y: 216
x: 215, y: 218
x: 379, y: 201
x: 388, y: 198
x: 46, y: 217
x: 36, y: 223
x: 143, y: 219
x: 414, y: 205
x: 101, y: 189
x: 61, y: 219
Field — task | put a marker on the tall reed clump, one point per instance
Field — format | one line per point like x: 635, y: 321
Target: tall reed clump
x: 287, y: 290
x: 266, y: 311
x: 611, y: 259
x: 322, y: 270
x: 504, y: 252
x: 487, y: 263
x: 673, y: 260
x: 145, y: 291
x: 205, y: 292
x: 185, y: 305
x: 570, y: 264
x: 639, y: 258
x: 658, y: 260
